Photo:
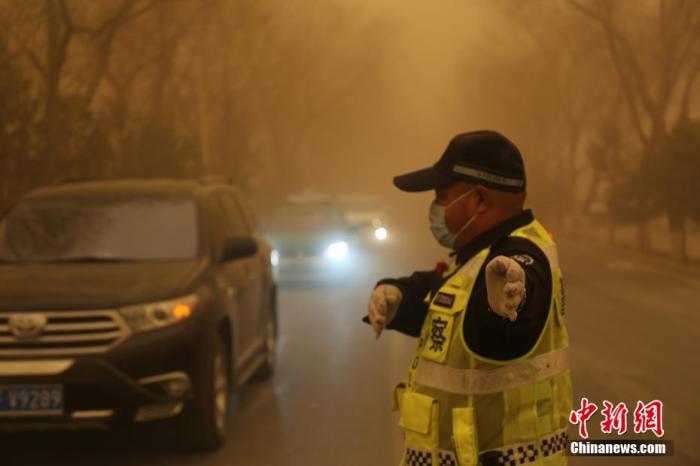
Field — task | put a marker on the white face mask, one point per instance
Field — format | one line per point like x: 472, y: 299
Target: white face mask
x: 438, y: 225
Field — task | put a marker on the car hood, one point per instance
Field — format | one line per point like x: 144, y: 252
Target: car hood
x: 94, y: 285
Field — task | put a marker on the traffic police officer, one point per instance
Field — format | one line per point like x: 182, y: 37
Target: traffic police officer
x: 489, y: 383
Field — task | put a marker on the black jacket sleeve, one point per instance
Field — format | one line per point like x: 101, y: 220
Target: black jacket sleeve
x: 496, y: 337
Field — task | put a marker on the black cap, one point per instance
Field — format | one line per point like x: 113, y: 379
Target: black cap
x: 482, y: 157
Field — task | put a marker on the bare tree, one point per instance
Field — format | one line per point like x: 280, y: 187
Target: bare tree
x: 568, y: 59
x: 244, y: 88
x: 656, y: 54
x: 54, y: 22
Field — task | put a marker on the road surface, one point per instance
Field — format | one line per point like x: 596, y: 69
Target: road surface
x: 634, y: 328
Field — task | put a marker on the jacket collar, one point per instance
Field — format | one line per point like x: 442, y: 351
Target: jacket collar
x: 492, y: 235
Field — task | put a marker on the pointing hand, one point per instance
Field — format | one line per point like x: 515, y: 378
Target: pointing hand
x: 505, y: 284
x: 383, y: 303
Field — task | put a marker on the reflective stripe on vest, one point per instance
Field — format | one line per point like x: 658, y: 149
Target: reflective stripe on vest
x: 476, y: 381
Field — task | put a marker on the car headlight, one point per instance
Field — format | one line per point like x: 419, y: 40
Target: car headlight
x: 144, y: 317
x: 337, y: 250
x: 275, y: 258
x: 381, y: 233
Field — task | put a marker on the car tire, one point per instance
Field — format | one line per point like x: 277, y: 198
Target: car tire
x: 267, y: 369
x: 205, y: 419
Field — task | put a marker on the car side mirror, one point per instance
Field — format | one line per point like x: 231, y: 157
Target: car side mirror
x: 238, y: 248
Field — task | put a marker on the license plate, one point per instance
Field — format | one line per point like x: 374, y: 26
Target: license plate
x: 31, y: 400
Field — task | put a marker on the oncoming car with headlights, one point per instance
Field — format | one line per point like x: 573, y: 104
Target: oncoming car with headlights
x: 132, y: 301
x: 366, y: 215
x: 312, y: 242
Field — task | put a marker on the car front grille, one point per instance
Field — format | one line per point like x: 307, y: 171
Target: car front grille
x: 65, y: 333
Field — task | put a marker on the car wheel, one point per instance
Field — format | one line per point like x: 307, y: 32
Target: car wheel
x: 267, y: 369
x: 204, y: 423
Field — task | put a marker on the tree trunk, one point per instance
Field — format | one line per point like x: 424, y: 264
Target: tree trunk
x: 52, y: 88
x: 570, y: 175
x: 611, y: 230
x: 643, y: 240
x: 679, y: 239
x: 204, y: 125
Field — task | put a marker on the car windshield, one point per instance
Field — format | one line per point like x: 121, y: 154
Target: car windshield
x: 88, y: 229
x: 362, y: 212
x: 306, y: 217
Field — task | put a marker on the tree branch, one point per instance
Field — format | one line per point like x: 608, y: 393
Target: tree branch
x: 629, y: 94
x: 65, y: 15
x: 33, y: 58
x: 679, y: 48
x: 621, y: 61
x: 147, y: 7
x: 688, y: 90
x: 638, y: 76
x: 629, y: 57
x: 59, y: 59
x: 104, y: 36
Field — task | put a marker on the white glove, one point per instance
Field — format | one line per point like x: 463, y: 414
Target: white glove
x: 505, y: 284
x: 383, y: 303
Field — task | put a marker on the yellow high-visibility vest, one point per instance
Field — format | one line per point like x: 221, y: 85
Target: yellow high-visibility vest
x: 459, y: 408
